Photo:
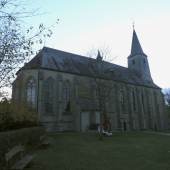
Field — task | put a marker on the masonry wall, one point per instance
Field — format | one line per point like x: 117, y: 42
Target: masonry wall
x: 128, y: 107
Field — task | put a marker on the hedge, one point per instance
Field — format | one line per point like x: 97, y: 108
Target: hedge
x: 25, y: 136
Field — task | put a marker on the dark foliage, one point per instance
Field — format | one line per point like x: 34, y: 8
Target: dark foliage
x: 15, y: 116
x: 6, y: 126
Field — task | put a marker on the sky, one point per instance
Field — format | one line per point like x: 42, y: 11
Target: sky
x: 98, y: 24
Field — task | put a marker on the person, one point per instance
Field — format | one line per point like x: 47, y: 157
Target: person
x: 106, y: 128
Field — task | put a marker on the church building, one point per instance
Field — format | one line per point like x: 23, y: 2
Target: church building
x: 71, y: 92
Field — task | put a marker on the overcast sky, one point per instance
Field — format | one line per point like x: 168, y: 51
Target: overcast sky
x: 87, y: 24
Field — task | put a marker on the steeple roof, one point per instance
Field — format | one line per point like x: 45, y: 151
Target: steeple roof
x: 136, y: 47
x: 99, y: 57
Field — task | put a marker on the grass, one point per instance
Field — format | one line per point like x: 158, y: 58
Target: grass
x: 122, y: 151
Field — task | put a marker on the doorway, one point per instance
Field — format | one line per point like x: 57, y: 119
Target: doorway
x: 85, y: 121
x: 124, y: 126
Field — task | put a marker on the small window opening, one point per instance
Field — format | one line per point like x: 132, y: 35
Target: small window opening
x: 67, y: 109
x: 144, y: 61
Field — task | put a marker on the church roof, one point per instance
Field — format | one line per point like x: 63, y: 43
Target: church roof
x: 136, y: 47
x: 61, y: 61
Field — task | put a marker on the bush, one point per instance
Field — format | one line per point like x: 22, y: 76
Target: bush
x: 14, y: 116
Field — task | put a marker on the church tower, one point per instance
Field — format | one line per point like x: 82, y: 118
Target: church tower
x: 137, y: 60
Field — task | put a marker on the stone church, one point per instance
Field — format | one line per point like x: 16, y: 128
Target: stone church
x: 71, y: 92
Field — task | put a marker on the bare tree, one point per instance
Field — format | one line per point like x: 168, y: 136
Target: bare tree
x: 17, y: 42
x: 105, y: 52
x: 103, y: 87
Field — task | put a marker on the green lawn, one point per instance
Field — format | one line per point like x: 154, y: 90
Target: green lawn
x: 122, y: 151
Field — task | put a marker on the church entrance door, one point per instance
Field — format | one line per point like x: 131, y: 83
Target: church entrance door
x: 85, y: 121
x: 97, y: 117
x: 124, y: 126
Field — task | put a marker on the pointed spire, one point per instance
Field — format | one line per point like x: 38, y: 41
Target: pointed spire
x: 99, y: 57
x: 135, y: 47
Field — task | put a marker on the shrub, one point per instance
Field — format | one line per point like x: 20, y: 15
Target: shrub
x: 14, y: 116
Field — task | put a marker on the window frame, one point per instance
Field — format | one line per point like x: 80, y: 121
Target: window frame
x: 31, y: 92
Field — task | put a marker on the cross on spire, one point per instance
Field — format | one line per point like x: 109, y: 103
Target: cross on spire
x: 133, y: 25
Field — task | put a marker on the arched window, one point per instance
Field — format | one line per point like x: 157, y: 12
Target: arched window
x: 66, y: 96
x: 48, y: 95
x: 121, y: 96
x: 122, y: 99
x: 142, y: 96
x: 30, y: 92
x: 134, y: 100
x: 156, y: 103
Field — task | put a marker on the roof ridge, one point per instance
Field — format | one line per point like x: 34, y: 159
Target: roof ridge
x: 44, y: 48
x: 83, y: 56
x: 53, y: 59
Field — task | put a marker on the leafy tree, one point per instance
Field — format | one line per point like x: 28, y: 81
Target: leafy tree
x: 17, y: 43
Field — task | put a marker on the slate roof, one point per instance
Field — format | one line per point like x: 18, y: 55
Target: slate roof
x: 136, y: 47
x: 57, y: 60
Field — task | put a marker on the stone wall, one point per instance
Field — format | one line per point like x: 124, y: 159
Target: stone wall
x: 26, y: 136
x: 128, y: 106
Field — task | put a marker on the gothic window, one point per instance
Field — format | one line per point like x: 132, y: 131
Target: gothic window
x: 156, y: 103
x: 66, y: 96
x: 60, y: 87
x: 155, y: 98
x: 30, y: 92
x: 149, y: 108
x: 95, y: 92
x: 134, y: 101
x: 121, y: 96
x: 142, y: 96
x: 122, y: 99
x: 133, y: 61
x: 48, y: 95
x: 117, y: 98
